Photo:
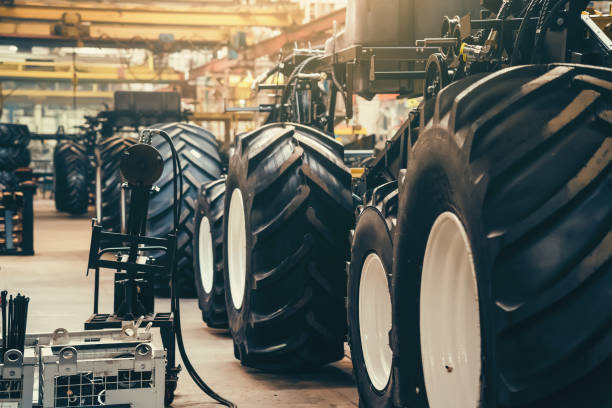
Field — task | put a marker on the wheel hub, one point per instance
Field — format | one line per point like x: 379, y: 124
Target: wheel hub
x: 450, y: 318
x: 205, y: 255
x: 236, y: 249
x: 375, y: 321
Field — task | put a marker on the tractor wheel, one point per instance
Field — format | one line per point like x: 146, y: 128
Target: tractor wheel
x: 201, y: 163
x: 111, y: 150
x: 288, y: 215
x: 208, y: 253
x: 369, y: 298
x: 13, y: 135
x: 8, y: 180
x: 9, y: 157
x: 501, y: 279
x: 23, y: 157
x: 71, y: 184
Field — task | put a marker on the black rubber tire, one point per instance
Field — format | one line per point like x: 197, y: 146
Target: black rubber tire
x: 72, y: 167
x: 373, y: 234
x: 210, y: 204
x: 10, y: 157
x: 23, y: 157
x: 8, y: 180
x: 12, y: 135
x: 298, y: 212
x: 199, y: 155
x: 111, y: 150
x: 523, y: 159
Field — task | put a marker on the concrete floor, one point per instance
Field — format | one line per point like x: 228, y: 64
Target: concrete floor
x: 61, y: 296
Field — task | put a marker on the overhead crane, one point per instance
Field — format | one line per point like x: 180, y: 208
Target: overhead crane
x: 121, y: 25
x: 85, y: 73
x: 316, y: 30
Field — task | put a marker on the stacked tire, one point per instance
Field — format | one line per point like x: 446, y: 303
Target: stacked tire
x: 72, y: 168
x: 501, y: 275
x: 288, y: 213
x: 14, y: 153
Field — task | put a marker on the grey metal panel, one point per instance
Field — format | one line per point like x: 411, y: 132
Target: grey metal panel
x: 428, y: 14
x: 400, y: 22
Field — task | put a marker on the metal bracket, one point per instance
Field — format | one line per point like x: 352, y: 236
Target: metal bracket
x: 129, y: 329
x: 60, y: 336
x: 142, y: 358
x: 13, y: 364
x: 68, y: 361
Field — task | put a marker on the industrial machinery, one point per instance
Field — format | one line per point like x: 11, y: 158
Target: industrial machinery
x: 96, y: 368
x: 87, y: 169
x: 479, y: 269
x: 141, y: 166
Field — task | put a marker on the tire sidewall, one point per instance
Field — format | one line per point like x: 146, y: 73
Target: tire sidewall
x: 437, y: 180
x: 371, y: 236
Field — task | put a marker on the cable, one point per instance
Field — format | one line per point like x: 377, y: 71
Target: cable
x: 536, y: 56
x: 177, y: 172
x: 528, y: 13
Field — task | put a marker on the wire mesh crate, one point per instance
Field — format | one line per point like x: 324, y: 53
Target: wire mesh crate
x: 17, y: 378
x: 102, y: 368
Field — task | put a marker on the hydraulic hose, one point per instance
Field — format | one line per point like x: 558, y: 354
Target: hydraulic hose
x: 177, y: 182
x: 536, y: 57
x: 517, y: 57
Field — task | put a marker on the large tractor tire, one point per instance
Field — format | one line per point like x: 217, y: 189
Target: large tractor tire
x: 289, y: 210
x: 502, y: 274
x: 71, y: 177
x: 199, y: 155
x: 14, y: 157
x: 13, y: 135
x: 8, y: 180
x: 111, y: 150
x: 369, y: 298
x: 208, y: 253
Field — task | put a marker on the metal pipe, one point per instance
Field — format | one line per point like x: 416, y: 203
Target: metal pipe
x: 399, y: 75
x: 98, y: 186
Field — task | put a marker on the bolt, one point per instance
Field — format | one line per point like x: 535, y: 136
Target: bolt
x: 11, y: 373
x: 418, y: 390
x: 142, y: 366
x: 560, y: 21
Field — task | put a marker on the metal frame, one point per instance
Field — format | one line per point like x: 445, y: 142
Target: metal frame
x: 126, y: 366
x: 422, y: 70
x: 18, y: 373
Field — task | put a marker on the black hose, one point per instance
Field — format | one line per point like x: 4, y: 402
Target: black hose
x: 516, y: 52
x: 536, y: 56
x: 177, y: 172
x: 293, y: 77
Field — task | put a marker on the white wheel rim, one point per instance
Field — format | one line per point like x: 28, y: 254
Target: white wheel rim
x: 236, y: 249
x: 205, y: 255
x: 375, y: 321
x: 449, y: 317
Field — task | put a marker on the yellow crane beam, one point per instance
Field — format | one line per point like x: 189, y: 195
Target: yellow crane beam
x: 134, y: 25
x: 119, y: 13
x: 38, y: 94
x: 108, y: 35
x: 66, y: 72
